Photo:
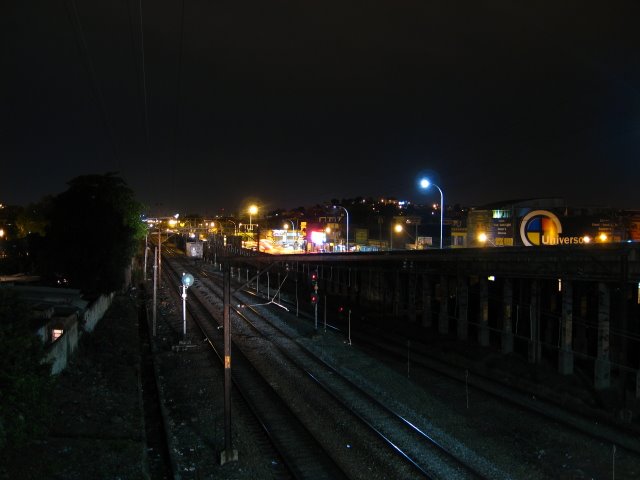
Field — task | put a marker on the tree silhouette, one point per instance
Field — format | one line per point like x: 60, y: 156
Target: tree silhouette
x: 94, y: 230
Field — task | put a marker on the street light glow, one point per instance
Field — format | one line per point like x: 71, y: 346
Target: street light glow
x: 253, y: 209
x: 347, y: 238
x: 426, y: 183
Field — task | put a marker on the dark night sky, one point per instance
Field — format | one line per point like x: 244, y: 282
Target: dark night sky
x: 296, y: 102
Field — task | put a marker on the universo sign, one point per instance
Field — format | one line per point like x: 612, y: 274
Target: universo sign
x: 541, y: 227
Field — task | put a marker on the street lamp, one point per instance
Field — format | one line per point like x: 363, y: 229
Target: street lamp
x: 424, y: 184
x: 347, y: 212
x: 252, y: 211
x: 399, y: 229
x: 483, y: 238
x: 187, y: 281
x: 394, y: 228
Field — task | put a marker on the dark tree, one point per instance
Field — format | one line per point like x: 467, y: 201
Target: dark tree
x: 94, y: 231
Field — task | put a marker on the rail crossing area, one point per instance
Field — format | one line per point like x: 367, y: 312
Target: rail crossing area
x: 574, y: 310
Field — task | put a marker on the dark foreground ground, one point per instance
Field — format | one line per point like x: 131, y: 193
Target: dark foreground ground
x: 97, y: 427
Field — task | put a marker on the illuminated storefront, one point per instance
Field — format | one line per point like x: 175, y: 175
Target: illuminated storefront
x: 536, y: 226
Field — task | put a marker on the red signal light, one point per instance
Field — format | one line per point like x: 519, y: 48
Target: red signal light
x: 314, y: 298
x: 314, y: 276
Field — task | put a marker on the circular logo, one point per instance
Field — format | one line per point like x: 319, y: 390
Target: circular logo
x: 540, y: 227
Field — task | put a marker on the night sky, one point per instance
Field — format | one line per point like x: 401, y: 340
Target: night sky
x: 291, y: 103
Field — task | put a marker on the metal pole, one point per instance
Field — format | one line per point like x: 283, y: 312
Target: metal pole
x: 159, y: 256
x: 441, y: 212
x: 155, y: 287
x: 146, y: 250
x: 347, y: 229
x: 184, y: 312
x: 325, y: 313
x: 229, y: 453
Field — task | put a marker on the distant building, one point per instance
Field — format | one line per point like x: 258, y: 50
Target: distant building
x: 546, y: 222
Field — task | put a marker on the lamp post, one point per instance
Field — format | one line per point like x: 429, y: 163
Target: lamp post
x: 483, y: 238
x: 347, y: 212
x: 252, y: 211
x: 399, y: 228
x: 424, y: 184
x: 396, y: 228
x: 286, y: 230
x: 187, y: 281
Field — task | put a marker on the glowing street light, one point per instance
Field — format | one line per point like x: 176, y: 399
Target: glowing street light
x: 187, y: 281
x: 424, y: 184
x: 253, y: 209
x: 483, y: 238
x: 347, y: 212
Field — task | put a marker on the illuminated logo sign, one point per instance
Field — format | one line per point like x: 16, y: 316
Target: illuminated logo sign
x: 541, y: 228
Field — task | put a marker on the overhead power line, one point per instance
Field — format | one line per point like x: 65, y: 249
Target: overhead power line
x: 85, y: 57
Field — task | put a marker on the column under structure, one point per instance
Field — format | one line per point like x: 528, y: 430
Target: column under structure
x: 507, y: 313
x: 462, y: 297
x: 427, y: 314
x: 483, y: 327
x: 412, y: 285
x: 443, y: 316
x: 565, y: 355
x: 602, y: 374
x: 534, y: 323
x: 396, y: 293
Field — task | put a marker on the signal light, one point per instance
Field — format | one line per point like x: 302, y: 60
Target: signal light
x: 314, y: 276
x: 314, y: 298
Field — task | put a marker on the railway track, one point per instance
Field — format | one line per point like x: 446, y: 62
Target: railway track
x: 267, y: 330
x: 417, y: 453
x: 301, y: 454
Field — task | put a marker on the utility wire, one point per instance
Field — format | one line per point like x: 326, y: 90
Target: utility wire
x: 85, y: 56
x: 140, y: 67
x: 176, y: 132
x: 147, y: 127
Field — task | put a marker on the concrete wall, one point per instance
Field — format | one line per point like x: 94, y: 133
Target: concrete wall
x: 96, y: 311
x: 59, y: 351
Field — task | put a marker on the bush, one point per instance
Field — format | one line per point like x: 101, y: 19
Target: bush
x: 25, y: 380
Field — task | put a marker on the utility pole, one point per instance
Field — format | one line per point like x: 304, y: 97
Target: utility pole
x: 229, y: 454
x: 159, y: 256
